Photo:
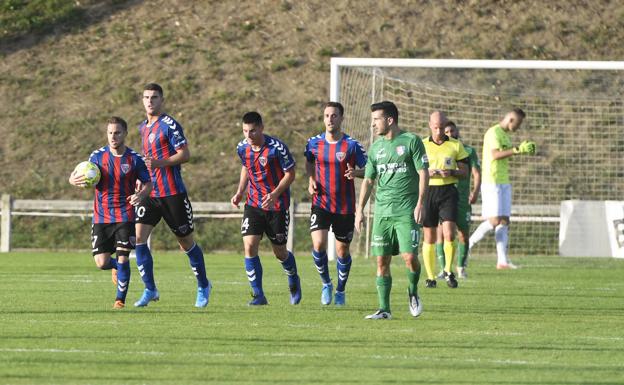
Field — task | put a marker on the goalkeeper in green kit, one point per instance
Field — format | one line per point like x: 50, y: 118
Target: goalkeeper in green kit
x: 496, y: 187
x: 397, y: 165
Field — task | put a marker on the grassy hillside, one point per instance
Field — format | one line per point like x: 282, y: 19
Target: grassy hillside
x: 67, y: 65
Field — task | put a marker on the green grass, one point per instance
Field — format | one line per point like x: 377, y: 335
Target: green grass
x: 555, y: 321
x: 20, y: 17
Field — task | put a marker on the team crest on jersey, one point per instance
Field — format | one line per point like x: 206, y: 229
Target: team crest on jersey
x: 151, y: 137
x: 262, y: 160
x: 341, y: 156
x: 400, y: 150
x: 125, y: 167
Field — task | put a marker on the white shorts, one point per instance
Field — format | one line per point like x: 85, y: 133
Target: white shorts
x: 496, y: 199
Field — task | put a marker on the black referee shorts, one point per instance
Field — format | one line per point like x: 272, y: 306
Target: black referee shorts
x: 440, y: 205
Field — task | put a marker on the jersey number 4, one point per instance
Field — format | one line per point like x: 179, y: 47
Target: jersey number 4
x: 244, y: 225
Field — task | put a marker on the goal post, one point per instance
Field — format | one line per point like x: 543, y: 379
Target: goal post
x: 575, y: 113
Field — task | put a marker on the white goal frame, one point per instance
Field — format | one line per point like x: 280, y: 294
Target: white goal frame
x: 338, y: 62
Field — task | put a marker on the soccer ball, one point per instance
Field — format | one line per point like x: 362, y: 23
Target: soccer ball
x: 90, y: 171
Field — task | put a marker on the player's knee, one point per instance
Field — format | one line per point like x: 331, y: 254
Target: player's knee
x: 123, y: 255
x: 342, y: 249
x: 102, y: 261
x: 281, y: 252
x: 383, y: 266
x: 186, y: 242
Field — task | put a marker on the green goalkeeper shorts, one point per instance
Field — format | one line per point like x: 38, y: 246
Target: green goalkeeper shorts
x: 464, y: 212
x: 394, y: 235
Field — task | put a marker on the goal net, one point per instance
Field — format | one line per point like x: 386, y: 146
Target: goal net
x: 575, y: 114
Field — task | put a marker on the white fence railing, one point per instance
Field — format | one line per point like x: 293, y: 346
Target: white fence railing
x: 84, y: 208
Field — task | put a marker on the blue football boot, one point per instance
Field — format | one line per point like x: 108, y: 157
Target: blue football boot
x: 326, y: 293
x: 295, y: 291
x: 339, y: 298
x: 203, y: 295
x: 258, y: 300
x: 148, y: 295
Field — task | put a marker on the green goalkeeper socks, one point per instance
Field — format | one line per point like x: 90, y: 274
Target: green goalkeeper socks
x: 439, y: 250
x: 462, y: 254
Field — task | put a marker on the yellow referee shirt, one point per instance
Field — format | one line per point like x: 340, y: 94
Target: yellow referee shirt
x: 444, y: 157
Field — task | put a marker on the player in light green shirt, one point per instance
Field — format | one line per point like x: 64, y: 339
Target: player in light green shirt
x: 397, y: 165
x: 496, y: 189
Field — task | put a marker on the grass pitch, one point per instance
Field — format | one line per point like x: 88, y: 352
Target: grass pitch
x: 555, y: 321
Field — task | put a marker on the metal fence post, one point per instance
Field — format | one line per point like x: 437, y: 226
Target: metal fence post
x: 5, y: 227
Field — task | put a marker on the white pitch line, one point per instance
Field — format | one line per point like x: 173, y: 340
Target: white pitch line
x: 79, y: 351
x: 605, y: 338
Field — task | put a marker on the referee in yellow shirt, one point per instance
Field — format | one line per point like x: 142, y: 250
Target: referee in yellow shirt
x: 496, y: 187
x: 448, y: 160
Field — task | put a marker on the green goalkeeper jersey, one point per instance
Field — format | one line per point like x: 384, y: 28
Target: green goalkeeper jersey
x: 463, y: 184
x: 495, y: 171
x: 394, y: 164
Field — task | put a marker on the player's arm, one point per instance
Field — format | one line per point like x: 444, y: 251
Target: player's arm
x: 365, y: 192
x: 462, y: 168
x: 501, y: 154
x: 423, y: 186
x: 182, y: 155
x: 76, y: 180
x: 527, y: 147
x: 360, y: 162
x: 310, y: 171
x: 144, y: 189
x: 242, y: 185
x: 269, y: 199
x: 353, y: 173
x: 463, y: 161
x: 476, y: 177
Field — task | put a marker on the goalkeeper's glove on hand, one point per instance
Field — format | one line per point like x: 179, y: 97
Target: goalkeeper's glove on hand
x: 526, y: 147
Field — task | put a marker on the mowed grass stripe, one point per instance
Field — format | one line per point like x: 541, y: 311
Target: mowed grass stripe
x: 559, y: 324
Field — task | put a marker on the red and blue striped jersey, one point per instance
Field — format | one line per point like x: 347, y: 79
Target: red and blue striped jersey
x: 334, y: 192
x: 117, y: 182
x: 265, y: 168
x: 161, y: 140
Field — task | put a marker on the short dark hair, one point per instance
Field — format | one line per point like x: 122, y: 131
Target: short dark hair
x: 154, y: 87
x: 337, y: 105
x: 252, y: 117
x: 390, y: 109
x: 450, y: 123
x: 519, y: 112
x: 119, y: 121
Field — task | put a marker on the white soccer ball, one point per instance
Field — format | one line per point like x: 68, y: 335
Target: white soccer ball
x: 90, y: 171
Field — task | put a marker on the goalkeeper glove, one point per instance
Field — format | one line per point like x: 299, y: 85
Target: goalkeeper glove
x: 526, y: 147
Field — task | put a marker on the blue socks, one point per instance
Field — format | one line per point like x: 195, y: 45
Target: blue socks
x: 343, y: 265
x: 290, y: 268
x: 196, y: 258
x: 123, y: 280
x: 320, y: 260
x: 254, y: 274
x: 145, y: 263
